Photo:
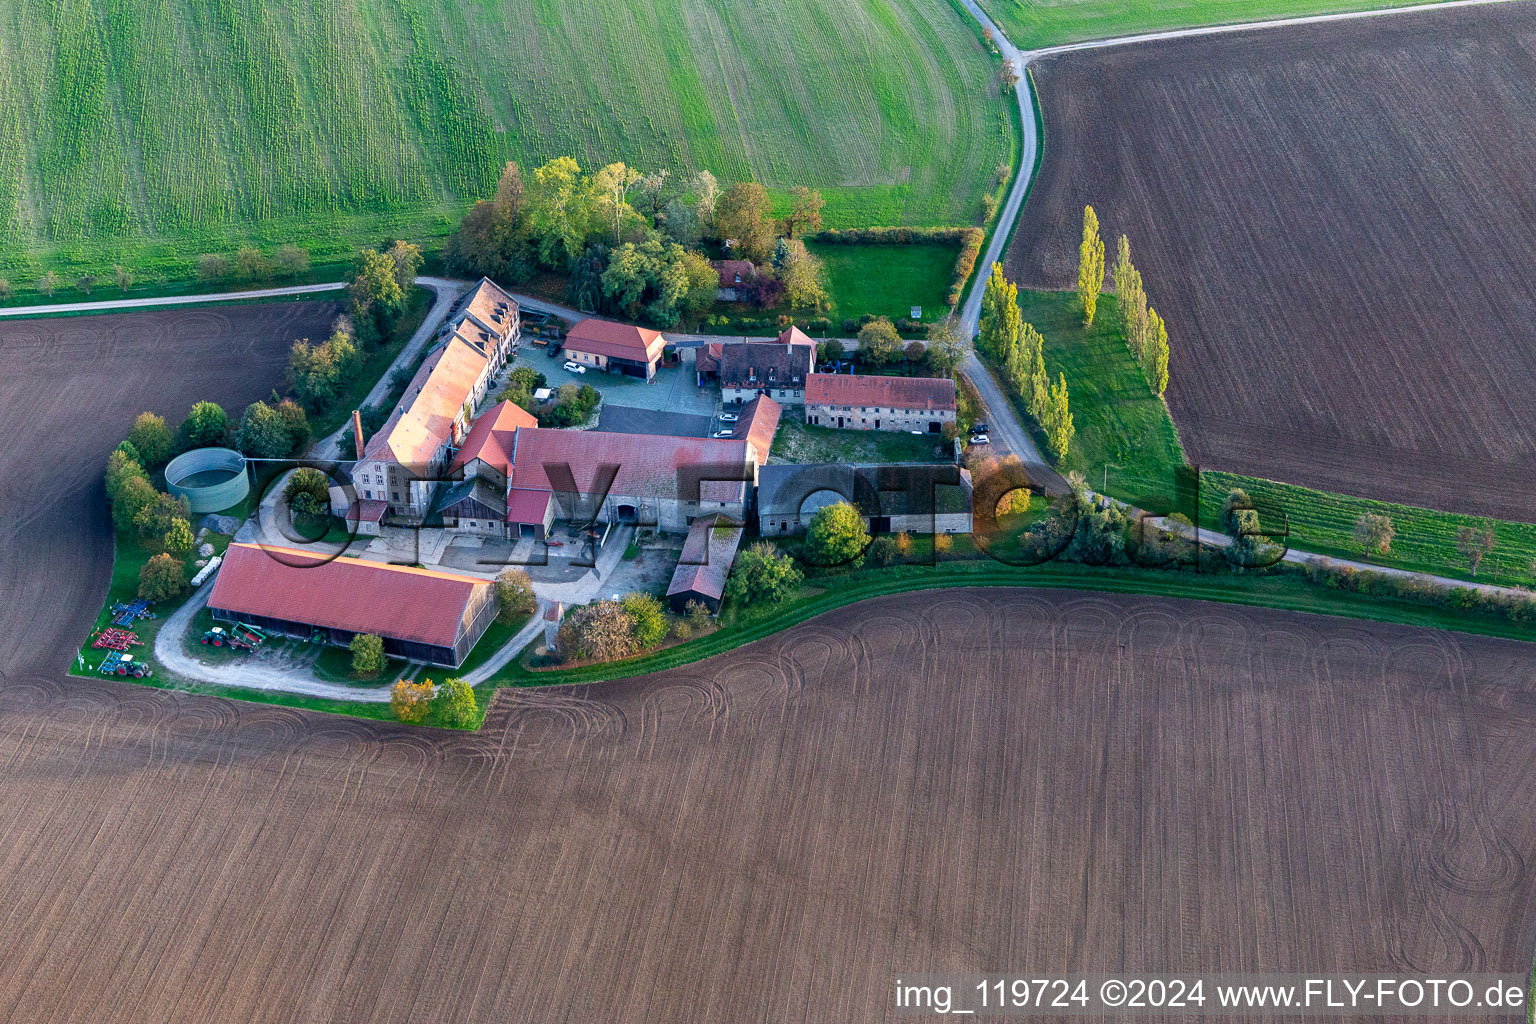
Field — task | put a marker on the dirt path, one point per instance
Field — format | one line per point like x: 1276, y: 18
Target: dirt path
x: 108, y: 305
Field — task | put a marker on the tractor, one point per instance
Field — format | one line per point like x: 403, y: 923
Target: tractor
x: 117, y: 663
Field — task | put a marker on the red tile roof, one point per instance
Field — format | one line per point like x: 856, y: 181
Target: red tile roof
x: 758, y: 423
x: 423, y: 605
x: 707, y: 556
x: 490, y: 439
x: 616, y: 341
x: 925, y: 393
x: 648, y: 464
x: 795, y: 336
x: 734, y: 272
x: 525, y: 505
x: 423, y: 422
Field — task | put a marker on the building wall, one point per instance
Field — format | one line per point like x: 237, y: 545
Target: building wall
x: 869, y: 417
x: 781, y: 524
x: 784, y: 396
x: 395, y: 648
x: 669, y: 515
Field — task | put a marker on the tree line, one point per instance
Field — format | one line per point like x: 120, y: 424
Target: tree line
x: 1145, y: 333
x: 1018, y: 350
x: 629, y: 243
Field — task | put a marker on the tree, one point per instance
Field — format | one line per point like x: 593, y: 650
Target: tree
x: 836, y: 536
x: 832, y: 350
x: 914, y: 352
x: 706, y: 192
x: 206, y: 424
x: 162, y: 578
x: 1131, y: 296
x: 316, y: 373
x: 1157, y: 352
x: 493, y: 239
x: 123, y: 276
x: 151, y: 438
x: 411, y: 702
x: 375, y: 292
x: 999, y: 327
x: 763, y: 573
x: 515, y: 598
x: 407, y: 260
x: 155, y: 518
x: 1474, y: 542
x: 803, y: 276
x: 1090, y: 266
x: 297, y: 424
x: 744, y: 214
x: 134, y: 494
x: 262, y: 434
x: 307, y: 493
x: 122, y: 465
x: 47, y: 283
x: 6, y: 291
x: 290, y: 261
x: 84, y: 283
x: 703, y: 283
x: 946, y: 347
x: 455, y: 704
x: 557, y: 209
x: 1008, y: 76
x: 879, y: 343
x: 647, y: 618
x: 367, y: 655
x: 252, y: 265
x: 178, y: 540
x: 1374, y: 533
x: 613, y: 183
x: 601, y: 631
x: 805, y: 210
x: 1059, y: 428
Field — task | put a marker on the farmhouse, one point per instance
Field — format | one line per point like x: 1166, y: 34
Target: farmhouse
x: 706, y: 561
x: 879, y: 403
x: 733, y: 274
x: 519, y: 478
x: 777, y: 369
x: 421, y: 614
x: 614, y: 347
x: 891, y: 499
x: 402, y: 462
x: 757, y: 425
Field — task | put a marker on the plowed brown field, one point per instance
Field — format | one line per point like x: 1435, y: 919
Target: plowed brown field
x: 945, y: 781
x: 1338, y: 223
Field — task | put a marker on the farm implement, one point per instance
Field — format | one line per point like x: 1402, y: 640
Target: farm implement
x: 128, y: 614
x: 116, y: 640
x: 117, y: 663
x: 239, y: 636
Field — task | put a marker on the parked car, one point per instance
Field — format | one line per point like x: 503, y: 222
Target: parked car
x: 723, y: 433
x: 978, y: 428
x: 980, y: 439
x: 727, y: 417
x: 571, y: 367
x: 919, y: 433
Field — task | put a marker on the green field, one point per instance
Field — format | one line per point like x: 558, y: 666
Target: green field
x: 1030, y: 24
x: 887, y: 280
x: 146, y: 132
x: 1122, y: 427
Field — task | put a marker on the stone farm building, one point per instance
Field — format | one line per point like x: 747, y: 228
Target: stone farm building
x: 745, y: 369
x: 891, y: 499
x: 421, y: 614
x: 733, y: 274
x: 519, y: 479
x: 706, y: 561
x: 398, y: 471
x: 757, y: 424
x: 616, y: 348
x: 851, y: 402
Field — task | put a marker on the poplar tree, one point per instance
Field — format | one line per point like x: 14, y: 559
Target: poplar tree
x: 991, y: 302
x: 1090, y: 266
x: 1157, y: 353
x: 1131, y: 296
x: 1059, y: 428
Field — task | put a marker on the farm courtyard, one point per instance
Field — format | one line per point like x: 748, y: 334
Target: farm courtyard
x: 1336, y: 222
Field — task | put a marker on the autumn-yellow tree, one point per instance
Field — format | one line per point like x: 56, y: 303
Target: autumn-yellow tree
x: 411, y: 702
x: 1090, y: 266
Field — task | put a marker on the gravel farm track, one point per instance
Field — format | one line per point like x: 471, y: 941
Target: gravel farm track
x: 964, y: 780
x: 1336, y: 221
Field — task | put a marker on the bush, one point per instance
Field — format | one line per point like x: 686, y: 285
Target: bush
x: 162, y: 578
x: 883, y: 551
x: 206, y: 425
x: 904, y: 544
x: 308, y: 494
x: 648, y: 621
x: 836, y: 536
x: 455, y: 704
x: 411, y: 702
x: 763, y: 573
x: 514, y: 596
x: 601, y: 631
x: 943, y: 543
x: 367, y: 655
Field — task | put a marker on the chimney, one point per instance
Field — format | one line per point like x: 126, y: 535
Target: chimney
x: 357, y: 432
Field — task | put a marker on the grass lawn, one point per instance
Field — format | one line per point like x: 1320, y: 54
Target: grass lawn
x: 1425, y: 539
x: 145, y: 132
x: 1126, y: 443
x: 1030, y: 23
x: 798, y: 442
x: 887, y: 280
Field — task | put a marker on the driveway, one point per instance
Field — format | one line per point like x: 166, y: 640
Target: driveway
x: 624, y: 419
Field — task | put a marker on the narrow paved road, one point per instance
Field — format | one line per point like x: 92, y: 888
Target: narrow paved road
x: 105, y: 305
